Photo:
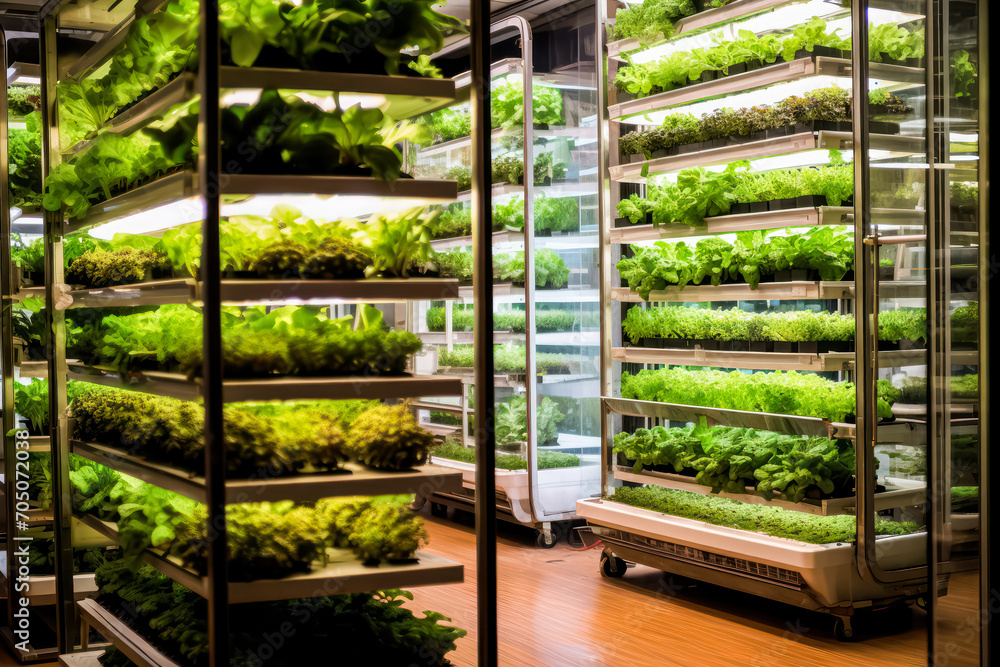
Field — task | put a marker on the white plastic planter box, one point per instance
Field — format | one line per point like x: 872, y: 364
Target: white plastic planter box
x: 556, y: 496
x: 828, y: 570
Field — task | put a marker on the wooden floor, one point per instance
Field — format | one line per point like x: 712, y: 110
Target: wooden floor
x: 556, y: 610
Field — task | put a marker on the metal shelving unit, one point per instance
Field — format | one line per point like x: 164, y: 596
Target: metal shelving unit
x: 526, y: 496
x: 204, y: 193
x: 777, y: 568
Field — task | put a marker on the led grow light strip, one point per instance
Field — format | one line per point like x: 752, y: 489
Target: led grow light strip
x: 751, y: 98
x: 780, y: 18
x: 325, y: 102
x: 813, y: 158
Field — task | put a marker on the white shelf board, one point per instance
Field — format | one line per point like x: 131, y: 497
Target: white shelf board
x: 634, y: 111
x: 788, y: 291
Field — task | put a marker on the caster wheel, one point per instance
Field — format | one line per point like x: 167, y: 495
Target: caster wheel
x: 437, y: 509
x: 544, y: 543
x: 612, y: 566
x: 843, y: 630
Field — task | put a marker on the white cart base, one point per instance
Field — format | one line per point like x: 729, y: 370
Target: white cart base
x: 821, y: 577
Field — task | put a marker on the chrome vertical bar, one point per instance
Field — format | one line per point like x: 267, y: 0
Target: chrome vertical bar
x: 55, y: 319
x: 482, y: 248
x: 209, y: 167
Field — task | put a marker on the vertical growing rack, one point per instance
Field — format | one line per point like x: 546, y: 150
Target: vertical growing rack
x: 545, y: 329
x: 25, y: 589
x: 208, y: 192
x: 816, y: 576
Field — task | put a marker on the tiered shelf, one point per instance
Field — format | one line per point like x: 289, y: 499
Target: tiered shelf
x: 353, y: 480
x: 676, y: 544
x: 177, y: 198
x: 343, y: 573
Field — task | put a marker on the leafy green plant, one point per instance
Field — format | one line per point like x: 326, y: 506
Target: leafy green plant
x: 732, y: 459
x: 791, y: 393
x: 504, y: 461
x: 256, y: 343
x: 507, y: 105
x: 462, y: 175
x: 447, y: 124
x: 828, y: 250
x: 677, y: 129
x: 389, y: 438
x: 753, y: 518
x: 964, y: 75
x: 24, y: 155
x: 297, y: 438
x: 462, y: 320
x: 509, y: 358
x: 512, y: 421
x: 22, y: 101
x: 650, y: 21
x: 557, y: 214
x: 682, y: 67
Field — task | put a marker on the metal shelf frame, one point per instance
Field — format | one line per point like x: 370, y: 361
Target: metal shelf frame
x: 861, y: 296
x: 205, y: 189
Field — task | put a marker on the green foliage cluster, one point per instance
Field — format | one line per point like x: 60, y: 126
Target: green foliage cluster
x: 557, y: 214
x: 914, y: 389
x: 286, y: 244
x: 677, y: 129
x: 159, y: 45
x: 456, y: 220
x: 447, y: 124
x: 964, y: 195
x: 336, y: 35
x: 546, y: 321
x: 22, y: 101
x: 507, y: 105
x: 773, y: 521
x: 309, y: 140
x: 31, y: 401
x: 507, y: 358
x: 681, y: 67
x: 551, y: 271
x: 964, y: 75
x: 755, y: 254
x: 731, y: 459
x: 652, y: 20
x: 792, y: 326
x: 42, y: 557
x: 288, y: 340
x: 280, y: 439
x: 546, y: 460
x: 512, y: 421
x: 265, y: 540
x: 388, y: 438
x: 699, y: 193
x: 785, y: 393
x: 174, y: 618
x: 24, y: 156
x: 834, y: 181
